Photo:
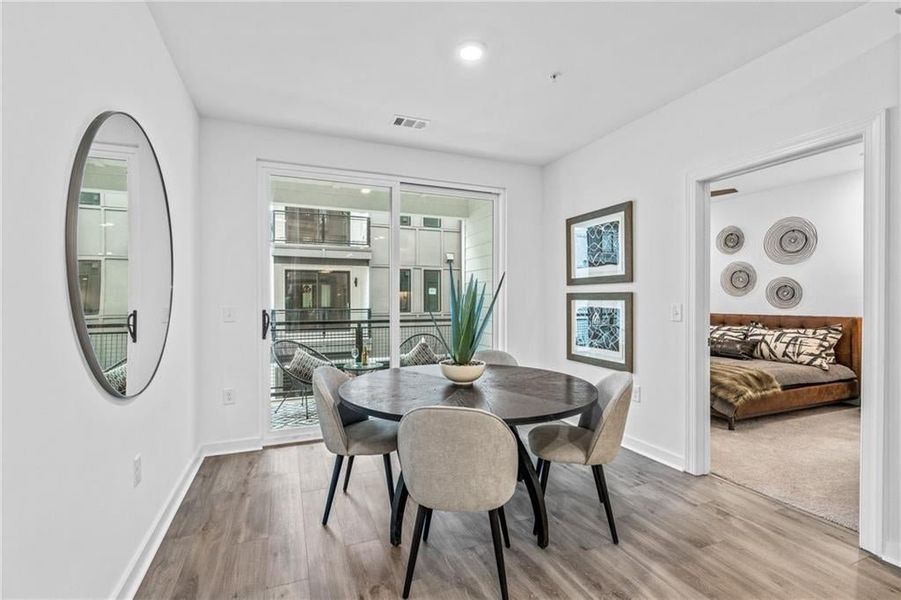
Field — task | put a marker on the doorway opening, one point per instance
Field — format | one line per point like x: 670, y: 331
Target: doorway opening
x: 786, y: 306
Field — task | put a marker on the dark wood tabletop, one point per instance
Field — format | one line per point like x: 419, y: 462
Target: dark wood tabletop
x: 518, y: 395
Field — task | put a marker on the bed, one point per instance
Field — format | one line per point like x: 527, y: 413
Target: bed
x: 799, y: 386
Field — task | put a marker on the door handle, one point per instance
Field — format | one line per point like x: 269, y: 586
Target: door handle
x: 265, y: 323
x: 132, y: 325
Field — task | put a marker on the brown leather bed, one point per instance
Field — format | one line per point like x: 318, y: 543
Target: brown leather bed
x: 799, y: 396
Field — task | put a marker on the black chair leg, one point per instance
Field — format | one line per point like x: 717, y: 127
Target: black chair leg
x: 604, y: 496
x: 428, y: 525
x: 545, y: 472
x: 350, y: 465
x: 498, y: 551
x: 414, y: 549
x: 336, y: 472
x: 389, y: 476
x: 503, y: 518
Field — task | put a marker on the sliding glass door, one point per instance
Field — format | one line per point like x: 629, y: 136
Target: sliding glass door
x: 360, y: 266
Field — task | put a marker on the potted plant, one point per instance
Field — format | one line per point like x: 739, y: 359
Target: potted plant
x: 467, y: 326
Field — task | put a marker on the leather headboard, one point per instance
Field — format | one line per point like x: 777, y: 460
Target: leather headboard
x: 847, y: 351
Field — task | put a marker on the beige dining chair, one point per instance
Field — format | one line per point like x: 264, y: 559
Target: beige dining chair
x: 496, y: 357
x: 457, y: 460
x: 350, y: 434
x: 595, y: 442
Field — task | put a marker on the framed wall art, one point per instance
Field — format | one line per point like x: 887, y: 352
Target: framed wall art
x: 599, y: 329
x: 599, y: 246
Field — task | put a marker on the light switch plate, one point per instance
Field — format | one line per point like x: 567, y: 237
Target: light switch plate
x: 229, y: 314
x: 675, y: 312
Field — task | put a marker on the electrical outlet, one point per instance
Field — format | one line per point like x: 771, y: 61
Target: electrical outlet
x: 229, y: 314
x: 136, y: 467
x: 675, y: 312
x: 228, y: 396
x: 636, y: 394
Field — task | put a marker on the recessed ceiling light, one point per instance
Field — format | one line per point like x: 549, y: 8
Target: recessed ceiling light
x: 471, y: 51
x: 365, y: 191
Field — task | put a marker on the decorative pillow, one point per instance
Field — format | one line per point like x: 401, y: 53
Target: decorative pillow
x: 740, y: 349
x: 420, y: 354
x: 118, y: 377
x: 728, y: 332
x: 303, y: 364
x: 813, y: 347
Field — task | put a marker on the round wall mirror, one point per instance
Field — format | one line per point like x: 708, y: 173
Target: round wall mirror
x: 119, y: 254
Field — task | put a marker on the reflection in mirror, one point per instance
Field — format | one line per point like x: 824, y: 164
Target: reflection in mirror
x: 119, y: 253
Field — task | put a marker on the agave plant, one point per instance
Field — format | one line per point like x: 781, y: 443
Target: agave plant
x: 467, y: 322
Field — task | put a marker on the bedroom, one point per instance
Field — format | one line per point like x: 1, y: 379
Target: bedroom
x: 786, y: 301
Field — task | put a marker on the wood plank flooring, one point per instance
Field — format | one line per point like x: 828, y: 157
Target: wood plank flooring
x: 249, y: 528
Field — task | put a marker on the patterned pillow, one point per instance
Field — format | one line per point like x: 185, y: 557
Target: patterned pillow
x: 420, y: 354
x: 303, y: 364
x: 813, y: 347
x: 118, y: 377
x: 734, y: 333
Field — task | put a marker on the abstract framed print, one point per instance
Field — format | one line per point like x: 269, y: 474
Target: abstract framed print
x: 599, y: 329
x: 599, y: 246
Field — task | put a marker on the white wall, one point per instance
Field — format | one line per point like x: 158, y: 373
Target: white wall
x: 831, y: 279
x: 846, y: 70
x: 73, y: 523
x: 230, y: 353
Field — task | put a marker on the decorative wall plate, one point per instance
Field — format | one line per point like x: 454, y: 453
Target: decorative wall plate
x: 790, y: 240
x: 738, y: 278
x: 730, y: 240
x: 784, y: 292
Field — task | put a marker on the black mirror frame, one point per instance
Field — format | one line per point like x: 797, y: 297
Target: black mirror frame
x: 75, y: 303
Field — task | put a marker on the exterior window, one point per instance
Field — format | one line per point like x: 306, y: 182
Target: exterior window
x: 405, y: 290
x: 431, y: 222
x: 89, y: 198
x: 431, y: 291
x: 405, y: 221
x: 89, y: 283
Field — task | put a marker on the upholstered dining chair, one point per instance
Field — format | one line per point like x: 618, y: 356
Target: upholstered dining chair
x: 595, y: 442
x: 457, y: 460
x: 496, y: 357
x: 350, y: 434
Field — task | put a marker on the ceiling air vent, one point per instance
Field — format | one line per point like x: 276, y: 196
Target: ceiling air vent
x: 410, y: 122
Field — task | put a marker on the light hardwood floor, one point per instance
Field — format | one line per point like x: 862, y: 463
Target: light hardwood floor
x: 249, y: 528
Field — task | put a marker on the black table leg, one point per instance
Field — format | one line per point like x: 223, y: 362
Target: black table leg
x: 397, y: 510
x: 536, y: 495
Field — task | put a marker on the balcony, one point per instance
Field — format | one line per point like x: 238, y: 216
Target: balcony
x: 302, y: 226
x: 333, y: 333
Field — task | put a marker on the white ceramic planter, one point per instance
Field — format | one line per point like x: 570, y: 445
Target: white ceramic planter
x: 462, y: 374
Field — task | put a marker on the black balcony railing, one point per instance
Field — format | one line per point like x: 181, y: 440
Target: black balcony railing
x: 110, y: 342
x: 328, y: 228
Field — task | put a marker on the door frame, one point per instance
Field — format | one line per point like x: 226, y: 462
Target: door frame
x: 872, y: 133
x: 265, y: 274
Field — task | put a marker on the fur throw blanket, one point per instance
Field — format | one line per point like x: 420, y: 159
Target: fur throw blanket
x: 737, y: 384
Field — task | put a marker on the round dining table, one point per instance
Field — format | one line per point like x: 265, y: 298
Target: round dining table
x: 518, y: 395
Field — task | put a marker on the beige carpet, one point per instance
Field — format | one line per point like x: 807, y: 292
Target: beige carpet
x: 809, y: 459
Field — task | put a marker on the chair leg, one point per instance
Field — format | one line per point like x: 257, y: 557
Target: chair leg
x: 604, y: 495
x: 336, y: 472
x: 498, y: 551
x: 545, y: 472
x: 503, y: 518
x: 428, y: 525
x: 414, y: 549
x: 389, y: 476
x: 350, y: 465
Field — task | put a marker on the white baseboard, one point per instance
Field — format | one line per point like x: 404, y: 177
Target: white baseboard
x: 128, y: 585
x: 231, y: 447
x: 655, y: 453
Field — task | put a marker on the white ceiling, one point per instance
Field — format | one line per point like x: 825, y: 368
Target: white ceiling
x: 825, y: 164
x: 346, y: 69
